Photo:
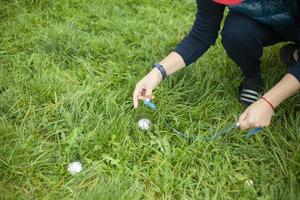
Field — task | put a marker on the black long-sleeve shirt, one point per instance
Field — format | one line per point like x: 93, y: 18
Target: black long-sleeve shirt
x: 205, y: 32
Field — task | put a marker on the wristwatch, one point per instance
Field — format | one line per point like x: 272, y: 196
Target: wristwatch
x: 161, y: 69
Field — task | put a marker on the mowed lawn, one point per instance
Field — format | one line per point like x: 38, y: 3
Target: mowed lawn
x: 68, y: 70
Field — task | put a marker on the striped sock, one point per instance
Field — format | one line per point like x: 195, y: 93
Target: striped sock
x: 249, y: 96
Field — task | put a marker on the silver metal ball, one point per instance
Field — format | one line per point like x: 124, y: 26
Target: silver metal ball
x: 144, y: 124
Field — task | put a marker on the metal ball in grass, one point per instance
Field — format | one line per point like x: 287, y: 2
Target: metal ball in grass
x: 144, y: 124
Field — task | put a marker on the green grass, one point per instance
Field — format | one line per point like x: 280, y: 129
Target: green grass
x: 68, y: 69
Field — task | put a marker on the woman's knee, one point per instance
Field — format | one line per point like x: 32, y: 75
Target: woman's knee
x: 240, y: 32
x: 236, y: 38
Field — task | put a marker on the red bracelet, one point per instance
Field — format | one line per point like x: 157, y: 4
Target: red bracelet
x: 266, y: 100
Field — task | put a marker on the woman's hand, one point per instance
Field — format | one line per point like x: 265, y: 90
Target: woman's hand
x: 257, y: 115
x: 143, y: 89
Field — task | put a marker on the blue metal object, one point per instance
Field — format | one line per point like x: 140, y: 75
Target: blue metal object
x: 218, y: 134
x: 149, y: 103
x: 253, y: 132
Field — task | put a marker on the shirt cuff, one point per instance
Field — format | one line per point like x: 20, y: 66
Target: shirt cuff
x: 184, y: 53
x: 188, y: 52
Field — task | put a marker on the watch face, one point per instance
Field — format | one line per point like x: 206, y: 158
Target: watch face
x: 228, y: 2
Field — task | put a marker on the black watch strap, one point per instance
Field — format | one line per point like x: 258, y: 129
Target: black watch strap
x: 161, y: 69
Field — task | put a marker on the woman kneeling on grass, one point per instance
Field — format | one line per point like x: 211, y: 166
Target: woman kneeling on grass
x: 249, y: 26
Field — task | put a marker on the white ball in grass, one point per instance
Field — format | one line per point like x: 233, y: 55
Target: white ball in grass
x: 74, y: 167
x: 144, y: 124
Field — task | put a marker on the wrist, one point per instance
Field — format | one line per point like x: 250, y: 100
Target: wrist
x: 156, y: 74
x: 268, y: 102
x: 161, y: 69
x: 273, y: 99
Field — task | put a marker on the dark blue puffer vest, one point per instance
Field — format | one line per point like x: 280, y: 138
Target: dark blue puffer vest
x: 278, y: 13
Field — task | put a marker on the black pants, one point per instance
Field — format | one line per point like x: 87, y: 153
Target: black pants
x: 244, y: 38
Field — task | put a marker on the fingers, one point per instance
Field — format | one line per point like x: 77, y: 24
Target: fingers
x: 135, y: 98
x: 141, y: 93
x: 247, y: 121
x: 148, y: 93
x: 245, y: 125
x: 243, y: 122
x: 138, y: 92
x: 242, y: 118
